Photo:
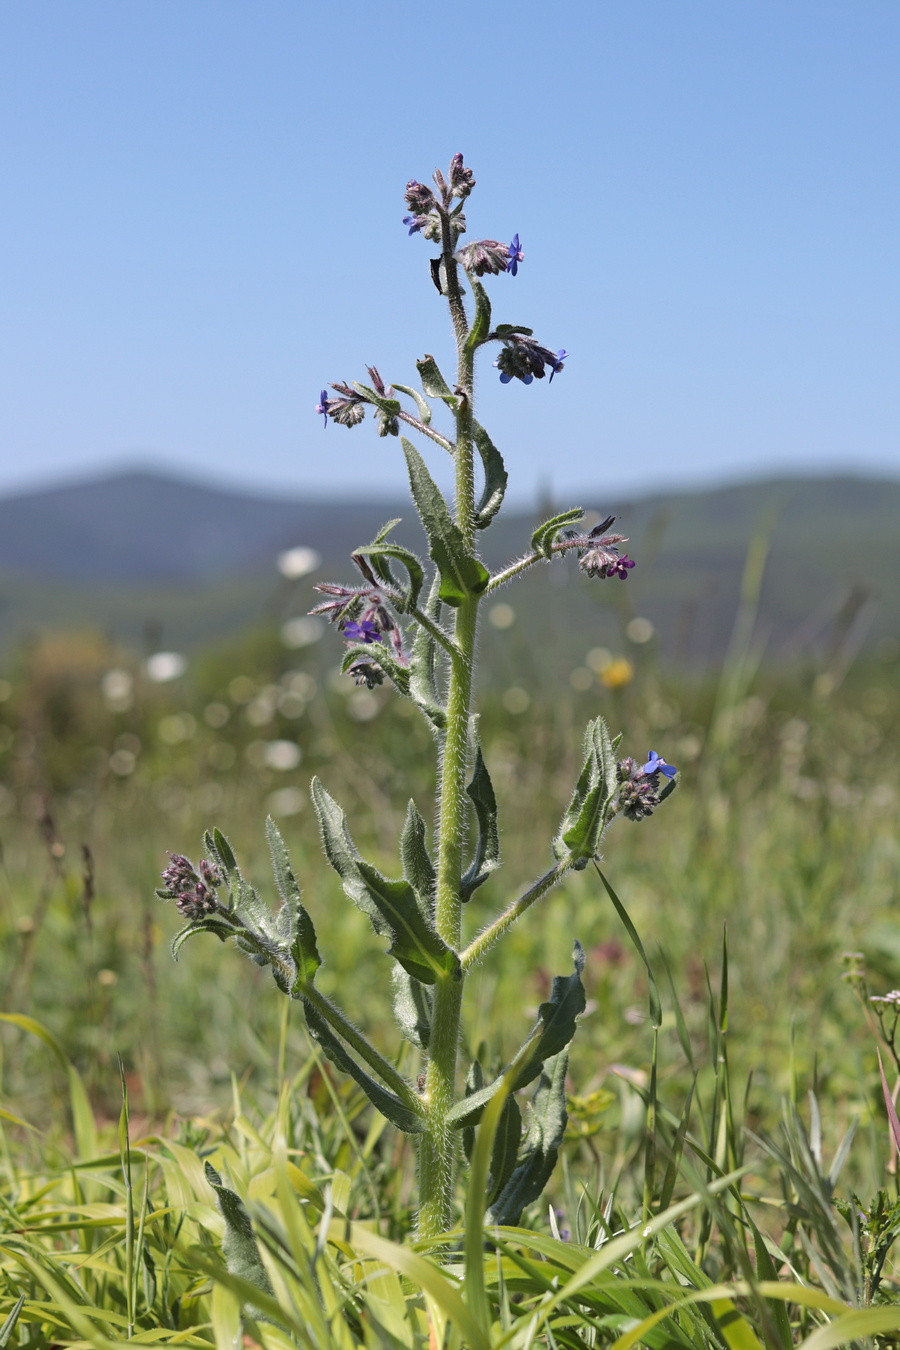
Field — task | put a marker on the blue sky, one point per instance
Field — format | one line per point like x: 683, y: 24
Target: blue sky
x: 203, y: 226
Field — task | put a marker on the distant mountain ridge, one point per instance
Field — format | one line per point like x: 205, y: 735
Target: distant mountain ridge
x: 141, y: 550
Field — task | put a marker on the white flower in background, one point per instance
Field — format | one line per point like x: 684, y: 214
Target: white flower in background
x: 294, y: 563
x: 164, y: 666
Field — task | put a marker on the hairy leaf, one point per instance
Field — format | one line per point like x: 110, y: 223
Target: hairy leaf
x: 481, y: 324
x: 423, y: 662
x: 588, y: 812
x: 433, y: 382
x: 504, y: 330
x: 239, y: 1245
x: 391, y: 905
x: 299, y: 934
x: 421, y: 404
x: 390, y: 1105
x: 504, y: 1154
x: 412, y: 1007
x: 462, y: 574
x: 378, y: 551
x: 417, y: 865
x: 495, y: 477
x: 383, y: 657
x: 391, y: 406
x: 487, y: 849
x: 545, y: 535
x: 541, y: 1146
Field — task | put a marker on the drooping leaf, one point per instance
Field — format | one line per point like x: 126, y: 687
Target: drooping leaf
x: 239, y: 1245
x: 433, y: 382
x: 379, y: 551
x: 223, y: 932
x: 545, y: 535
x: 412, y: 1007
x: 391, y: 905
x: 417, y: 865
x: 481, y: 324
x: 504, y: 330
x: 495, y: 477
x: 390, y: 1105
x: 541, y: 1146
x: 487, y: 848
x: 423, y: 406
x: 462, y: 574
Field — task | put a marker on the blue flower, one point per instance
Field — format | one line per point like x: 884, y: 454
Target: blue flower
x: 506, y: 377
x: 322, y: 405
x: 515, y: 255
x: 365, y: 631
x: 415, y: 223
x: 558, y: 364
x: 656, y: 764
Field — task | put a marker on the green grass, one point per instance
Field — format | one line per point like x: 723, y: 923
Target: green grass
x: 782, y: 832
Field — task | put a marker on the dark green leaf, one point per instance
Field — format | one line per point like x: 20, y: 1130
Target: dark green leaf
x: 391, y: 406
x: 506, y: 1146
x: 299, y: 932
x: 223, y: 931
x: 239, y: 1244
x: 541, y: 1146
x: 554, y: 1029
x: 487, y: 849
x: 417, y: 865
x: 391, y: 905
x: 219, y: 850
x: 474, y: 1085
x: 9, y: 1325
x: 412, y: 1007
x: 545, y: 535
x: 495, y: 477
x: 433, y: 382
x: 462, y: 574
x: 588, y: 812
x: 390, y: 1106
x: 424, y: 408
x: 378, y: 551
x: 481, y: 324
x: 504, y: 330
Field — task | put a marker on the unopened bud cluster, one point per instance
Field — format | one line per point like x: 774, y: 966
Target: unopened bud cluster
x: 193, y: 890
x: 363, y: 615
x: 639, y: 785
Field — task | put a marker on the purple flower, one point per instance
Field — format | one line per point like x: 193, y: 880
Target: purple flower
x: 656, y: 764
x: 415, y: 223
x: 515, y: 255
x: 621, y: 567
x: 558, y: 364
x: 364, y: 631
x: 322, y: 405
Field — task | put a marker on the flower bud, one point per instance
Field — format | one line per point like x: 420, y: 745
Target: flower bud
x: 462, y: 179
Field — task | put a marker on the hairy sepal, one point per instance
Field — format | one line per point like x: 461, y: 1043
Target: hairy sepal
x: 392, y: 906
x: 462, y: 574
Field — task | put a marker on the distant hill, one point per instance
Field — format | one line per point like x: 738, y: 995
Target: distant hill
x: 197, y: 563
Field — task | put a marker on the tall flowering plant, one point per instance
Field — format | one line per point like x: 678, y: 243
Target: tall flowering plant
x: 414, y: 624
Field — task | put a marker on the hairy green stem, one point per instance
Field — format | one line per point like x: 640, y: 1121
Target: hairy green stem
x: 437, y: 1148
x: 420, y: 426
x: 486, y: 939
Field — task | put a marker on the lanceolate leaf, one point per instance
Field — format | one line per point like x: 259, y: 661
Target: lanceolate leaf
x: 555, y: 1028
x: 462, y: 574
x: 391, y: 905
x: 423, y: 688
x: 481, y: 324
x: 219, y: 850
x: 239, y: 1246
x: 379, y: 551
x: 223, y: 931
x: 412, y: 1007
x: 495, y: 477
x: 545, y: 535
x: 297, y: 931
x: 390, y: 1106
x: 421, y: 404
x: 541, y: 1146
x: 417, y: 865
x: 588, y: 812
x: 487, y: 850
x: 433, y: 382
x: 504, y: 1154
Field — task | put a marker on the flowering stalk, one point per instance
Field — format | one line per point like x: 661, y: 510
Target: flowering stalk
x: 419, y: 634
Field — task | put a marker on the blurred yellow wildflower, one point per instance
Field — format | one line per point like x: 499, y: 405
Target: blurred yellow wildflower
x: 617, y: 674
